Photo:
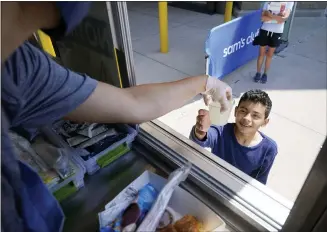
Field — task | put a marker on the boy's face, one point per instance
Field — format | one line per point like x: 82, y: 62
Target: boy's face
x: 249, y: 117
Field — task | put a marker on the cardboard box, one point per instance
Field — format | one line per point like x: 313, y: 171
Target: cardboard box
x: 181, y: 202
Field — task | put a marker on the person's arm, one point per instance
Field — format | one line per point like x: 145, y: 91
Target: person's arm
x: 108, y: 104
x: 138, y: 104
x: 282, y: 17
x: 265, y: 18
x: 46, y: 92
x: 266, y: 15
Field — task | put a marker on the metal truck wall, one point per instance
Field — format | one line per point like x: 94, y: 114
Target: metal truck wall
x: 90, y: 49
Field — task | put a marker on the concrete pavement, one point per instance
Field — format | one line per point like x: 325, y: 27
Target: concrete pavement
x: 297, y: 83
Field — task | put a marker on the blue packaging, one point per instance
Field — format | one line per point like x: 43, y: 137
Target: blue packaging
x: 145, y: 199
x: 147, y: 195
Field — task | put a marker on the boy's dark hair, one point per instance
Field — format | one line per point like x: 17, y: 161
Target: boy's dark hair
x: 258, y: 96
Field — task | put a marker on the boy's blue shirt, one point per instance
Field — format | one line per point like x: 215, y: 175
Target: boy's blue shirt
x: 255, y: 161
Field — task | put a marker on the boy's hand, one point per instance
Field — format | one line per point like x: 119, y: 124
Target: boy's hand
x: 202, y: 124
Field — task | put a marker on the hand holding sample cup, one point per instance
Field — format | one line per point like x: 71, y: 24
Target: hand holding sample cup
x: 218, y: 98
x: 214, y: 116
x: 217, y: 92
x: 202, y: 125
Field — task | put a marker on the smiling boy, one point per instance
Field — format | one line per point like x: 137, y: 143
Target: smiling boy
x: 241, y: 143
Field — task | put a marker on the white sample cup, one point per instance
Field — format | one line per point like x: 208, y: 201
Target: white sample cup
x: 218, y: 118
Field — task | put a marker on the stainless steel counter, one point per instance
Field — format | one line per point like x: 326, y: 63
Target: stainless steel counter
x: 82, y: 209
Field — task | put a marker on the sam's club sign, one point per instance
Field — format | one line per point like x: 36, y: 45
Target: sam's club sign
x: 229, y: 45
x: 240, y: 44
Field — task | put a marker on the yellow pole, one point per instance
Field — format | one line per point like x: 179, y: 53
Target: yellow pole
x: 46, y: 43
x: 228, y: 11
x: 163, y: 26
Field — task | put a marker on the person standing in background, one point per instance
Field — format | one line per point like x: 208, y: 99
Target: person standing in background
x: 274, y: 15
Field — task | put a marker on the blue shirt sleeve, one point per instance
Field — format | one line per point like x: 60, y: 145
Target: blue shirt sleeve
x: 210, y: 140
x: 37, y: 91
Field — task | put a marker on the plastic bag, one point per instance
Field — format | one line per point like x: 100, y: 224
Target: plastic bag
x: 24, y: 151
x: 130, y: 217
x: 114, y: 209
x: 56, y: 158
x: 111, y: 218
x: 151, y: 221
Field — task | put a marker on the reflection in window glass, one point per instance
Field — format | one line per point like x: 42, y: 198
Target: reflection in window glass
x: 281, y: 154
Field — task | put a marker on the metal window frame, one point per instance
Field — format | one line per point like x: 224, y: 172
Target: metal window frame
x: 118, y: 18
x: 310, y: 208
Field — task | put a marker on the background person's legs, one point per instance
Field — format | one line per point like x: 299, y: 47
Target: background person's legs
x: 262, y: 53
x: 269, y: 56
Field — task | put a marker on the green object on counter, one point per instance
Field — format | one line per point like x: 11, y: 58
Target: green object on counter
x: 113, y: 155
x: 64, y: 192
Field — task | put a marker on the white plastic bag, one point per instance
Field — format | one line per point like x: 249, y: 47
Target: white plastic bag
x: 24, y: 152
x: 114, y: 208
x: 151, y: 221
x: 54, y: 157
